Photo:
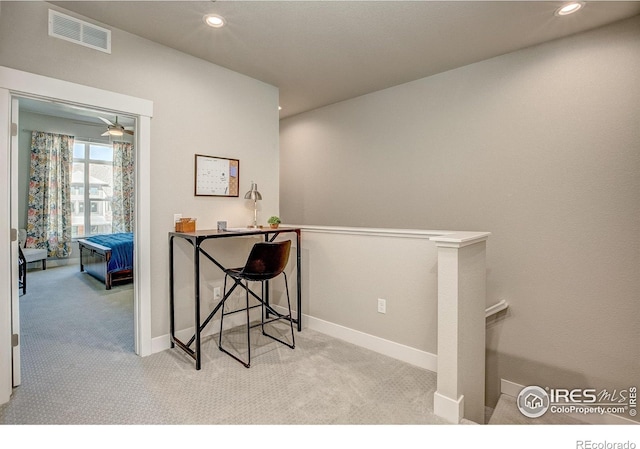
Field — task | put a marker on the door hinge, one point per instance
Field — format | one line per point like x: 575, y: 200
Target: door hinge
x: 14, y: 235
x: 15, y: 340
x: 14, y: 129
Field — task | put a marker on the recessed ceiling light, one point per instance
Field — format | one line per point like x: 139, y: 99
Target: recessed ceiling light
x: 569, y: 8
x: 213, y: 20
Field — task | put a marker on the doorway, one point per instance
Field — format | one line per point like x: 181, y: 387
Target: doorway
x: 99, y: 194
x: 18, y: 84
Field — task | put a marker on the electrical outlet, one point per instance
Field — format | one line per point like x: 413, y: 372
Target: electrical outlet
x: 382, y: 305
x: 176, y: 217
x: 217, y: 293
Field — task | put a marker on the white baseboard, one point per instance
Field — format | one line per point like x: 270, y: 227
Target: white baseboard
x: 510, y: 388
x: 513, y: 389
x: 159, y: 344
x: 389, y: 348
x: 447, y: 408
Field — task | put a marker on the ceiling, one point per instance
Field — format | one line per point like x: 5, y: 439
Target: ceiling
x: 321, y: 52
x: 83, y: 115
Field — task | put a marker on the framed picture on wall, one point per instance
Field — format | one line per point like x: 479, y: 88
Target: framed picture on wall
x: 216, y: 176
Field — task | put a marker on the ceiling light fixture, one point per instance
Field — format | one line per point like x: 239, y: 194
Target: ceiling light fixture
x: 569, y: 8
x: 213, y: 20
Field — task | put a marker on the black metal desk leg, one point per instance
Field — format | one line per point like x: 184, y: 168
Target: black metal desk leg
x: 196, y: 261
x: 265, y: 284
x: 172, y: 323
x: 299, y: 300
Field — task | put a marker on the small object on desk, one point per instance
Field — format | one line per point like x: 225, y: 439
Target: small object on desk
x: 186, y: 225
x: 248, y: 228
x: 274, y: 221
x: 222, y: 226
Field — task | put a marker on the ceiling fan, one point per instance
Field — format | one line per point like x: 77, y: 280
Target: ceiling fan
x: 114, y: 129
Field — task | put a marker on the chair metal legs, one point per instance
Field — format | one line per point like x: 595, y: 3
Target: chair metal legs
x: 22, y: 271
x: 265, y: 308
x: 222, y: 315
x: 268, y: 309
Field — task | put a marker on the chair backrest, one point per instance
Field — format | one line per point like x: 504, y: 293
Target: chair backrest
x: 266, y: 260
x: 22, y: 237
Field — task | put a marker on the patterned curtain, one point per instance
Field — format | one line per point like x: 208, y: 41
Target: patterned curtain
x: 49, y: 213
x: 123, y: 184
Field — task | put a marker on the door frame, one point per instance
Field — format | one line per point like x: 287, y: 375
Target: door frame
x: 13, y: 201
x: 16, y: 83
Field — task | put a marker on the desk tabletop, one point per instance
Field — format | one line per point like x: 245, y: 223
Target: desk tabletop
x: 232, y: 232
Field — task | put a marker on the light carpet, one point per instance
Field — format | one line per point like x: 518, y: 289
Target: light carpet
x: 79, y: 367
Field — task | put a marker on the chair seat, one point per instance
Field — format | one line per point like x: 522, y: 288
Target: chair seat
x: 234, y: 272
x: 241, y: 273
x: 34, y: 254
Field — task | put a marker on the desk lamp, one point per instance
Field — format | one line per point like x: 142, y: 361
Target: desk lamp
x: 254, y: 195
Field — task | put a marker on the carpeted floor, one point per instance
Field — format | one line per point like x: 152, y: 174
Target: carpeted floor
x: 79, y: 367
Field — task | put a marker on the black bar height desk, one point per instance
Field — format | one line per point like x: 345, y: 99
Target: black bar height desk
x: 196, y: 238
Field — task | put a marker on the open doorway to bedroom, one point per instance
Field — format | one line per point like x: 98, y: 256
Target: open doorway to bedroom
x: 66, y: 296
x: 16, y: 84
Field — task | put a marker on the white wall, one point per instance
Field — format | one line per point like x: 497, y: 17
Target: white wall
x: 541, y: 148
x: 198, y: 108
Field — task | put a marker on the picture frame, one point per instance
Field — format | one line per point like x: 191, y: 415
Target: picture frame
x: 216, y: 176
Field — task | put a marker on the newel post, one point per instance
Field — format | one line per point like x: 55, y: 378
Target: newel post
x: 461, y: 326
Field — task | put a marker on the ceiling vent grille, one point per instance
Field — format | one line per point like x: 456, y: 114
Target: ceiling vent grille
x: 78, y: 31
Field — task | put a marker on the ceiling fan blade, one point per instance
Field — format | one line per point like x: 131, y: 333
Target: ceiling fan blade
x: 106, y: 121
x: 128, y: 132
x: 87, y: 124
x: 106, y: 133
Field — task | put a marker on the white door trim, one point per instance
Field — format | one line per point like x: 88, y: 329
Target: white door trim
x: 5, y: 248
x: 18, y: 83
x: 15, y: 295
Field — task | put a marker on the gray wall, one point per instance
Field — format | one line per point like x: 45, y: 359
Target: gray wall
x: 198, y: 108
x: 542, y: 148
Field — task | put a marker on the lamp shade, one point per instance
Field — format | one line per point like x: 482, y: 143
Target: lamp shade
x: 253, y: 194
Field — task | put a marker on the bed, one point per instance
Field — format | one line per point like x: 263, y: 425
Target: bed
x: 108, y: 257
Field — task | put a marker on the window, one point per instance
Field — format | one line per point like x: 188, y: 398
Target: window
x: 91, y: 189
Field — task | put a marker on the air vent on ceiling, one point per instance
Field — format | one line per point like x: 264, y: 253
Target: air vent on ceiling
x: 78, y: 31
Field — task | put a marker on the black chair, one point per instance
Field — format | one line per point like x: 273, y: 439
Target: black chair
x: 266, y: 261
x: 22, y: 271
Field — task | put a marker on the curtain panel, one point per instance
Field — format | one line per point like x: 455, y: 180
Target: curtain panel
x: 123, y: 202
x: 49, y: 211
